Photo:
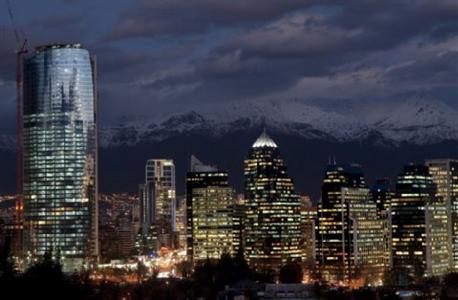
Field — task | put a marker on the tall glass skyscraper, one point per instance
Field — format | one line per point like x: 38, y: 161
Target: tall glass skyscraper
x: 381, y: 194
x: 350, y: 239
x: 273, y: 217
x: 420, y: 241
x: 158, y: 201
x: 210, y: 204
x: 445, y: 175
x: 60, y: 155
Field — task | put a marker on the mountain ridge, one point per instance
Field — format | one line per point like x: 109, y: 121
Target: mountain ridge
x: 417, y: 122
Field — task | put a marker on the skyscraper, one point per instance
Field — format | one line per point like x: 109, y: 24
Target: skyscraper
x: 181, y: 222
x: 419, y: 223
x: 381, y: 194
x: 158, y: 202
x: 273, y: 220
x: 210, y: 204
x: 238, y: 225
x: 60, y: 154
x: 350, y: 240
x: 445, y: 175
x: 309, y: 219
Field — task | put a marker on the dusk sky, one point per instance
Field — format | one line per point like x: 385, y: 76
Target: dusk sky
x: 156, y: 57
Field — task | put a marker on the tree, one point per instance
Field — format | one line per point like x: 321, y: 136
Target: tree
x: 184, y: 268
x: 291, y: 273
x: 7, y: 268
x: 450, y: 286
x: 142, y: 271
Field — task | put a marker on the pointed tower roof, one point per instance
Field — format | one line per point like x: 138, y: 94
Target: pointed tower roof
x: 264, y: 141
x: 197, y: 166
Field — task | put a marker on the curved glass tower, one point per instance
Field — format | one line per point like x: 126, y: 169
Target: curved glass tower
x: 273, y: 219
x: 60, y: 155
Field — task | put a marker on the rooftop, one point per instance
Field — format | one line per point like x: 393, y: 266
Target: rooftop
x: 264, y: 141
x: 57, y: 46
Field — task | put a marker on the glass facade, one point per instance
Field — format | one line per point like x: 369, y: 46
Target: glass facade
x: 350, y: 240
x: 381, y: 194
x: 209, y: 212
x: 273, y: 218
x: 445, y: 175
x: 60, y: 154
x: 158, y: 205
x: 212, y: 210
x: 419, y: 224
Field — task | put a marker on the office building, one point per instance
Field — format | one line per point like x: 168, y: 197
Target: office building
x: 181, y: 222
x: 158, y: 203
x: 209, y: 204
x: 382, y: 194
x: 272, y: 219
x: 444, y: 173
x: 309, y: 215
x: 350, y: 241
x: 419, y: 225
x: 60, y: 155
x: 238, y: 225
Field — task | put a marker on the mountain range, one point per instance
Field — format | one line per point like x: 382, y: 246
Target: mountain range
x: 381, y: 137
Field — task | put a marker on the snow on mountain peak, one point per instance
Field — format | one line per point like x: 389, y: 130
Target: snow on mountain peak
x: 417, y: 121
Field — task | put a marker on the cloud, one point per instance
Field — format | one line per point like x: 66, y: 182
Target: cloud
x: 178, y: 55
x: 175, y: 17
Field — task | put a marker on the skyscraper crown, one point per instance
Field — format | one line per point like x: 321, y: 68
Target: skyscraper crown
x: 264, y: 141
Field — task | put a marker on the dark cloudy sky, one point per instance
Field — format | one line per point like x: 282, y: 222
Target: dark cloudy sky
x: 159, y: 56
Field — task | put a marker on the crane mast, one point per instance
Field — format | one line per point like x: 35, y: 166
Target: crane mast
x: 21, y: 50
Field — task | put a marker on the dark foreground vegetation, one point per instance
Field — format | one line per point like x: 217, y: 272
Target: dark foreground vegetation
x: 45, y: 280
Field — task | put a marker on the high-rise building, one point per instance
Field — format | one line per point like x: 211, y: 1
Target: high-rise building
x: 158, y: 203
x: 419, y: 224
x: 181, y: 222
x: 350, y: 241
x: 309, y: 218
x: 119, y: 223
x: 60, y: 154
x: 445, y: 175
x: 273, y: 220
x: 382, y: 194
x: 209, y: 205
x: 238, y: 225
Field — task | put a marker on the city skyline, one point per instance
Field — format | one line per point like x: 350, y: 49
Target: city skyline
x: 229, y: 149
x: 391, y: 105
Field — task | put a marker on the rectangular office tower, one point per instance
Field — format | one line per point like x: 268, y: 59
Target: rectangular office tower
x: 445, y: 175
x: 210, y: 202
x: 419, y: 224
x: 158, y: 205
x: 60, y: 155
x: 350, y: 238
x: 381, y: 194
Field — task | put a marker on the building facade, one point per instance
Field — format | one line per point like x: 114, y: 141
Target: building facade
x: 419, y: 225
x: 210, y: 202
x: 445, y: 175
x: 181, y: 222
x: 350, y: 240
x: 158, y: 203
x: 309, y: 214
x: 272, y: 218
x: 60, y: 155
x: 382, y: 195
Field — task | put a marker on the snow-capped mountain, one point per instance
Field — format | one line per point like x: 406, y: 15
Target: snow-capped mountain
x: 380, y: 137
x: 418, y: 122
x: 414, y: 121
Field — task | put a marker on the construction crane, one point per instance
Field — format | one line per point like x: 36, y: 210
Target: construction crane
x: 21, y: 50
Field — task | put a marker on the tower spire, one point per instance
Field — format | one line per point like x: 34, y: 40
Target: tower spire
x: 264, y: 140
